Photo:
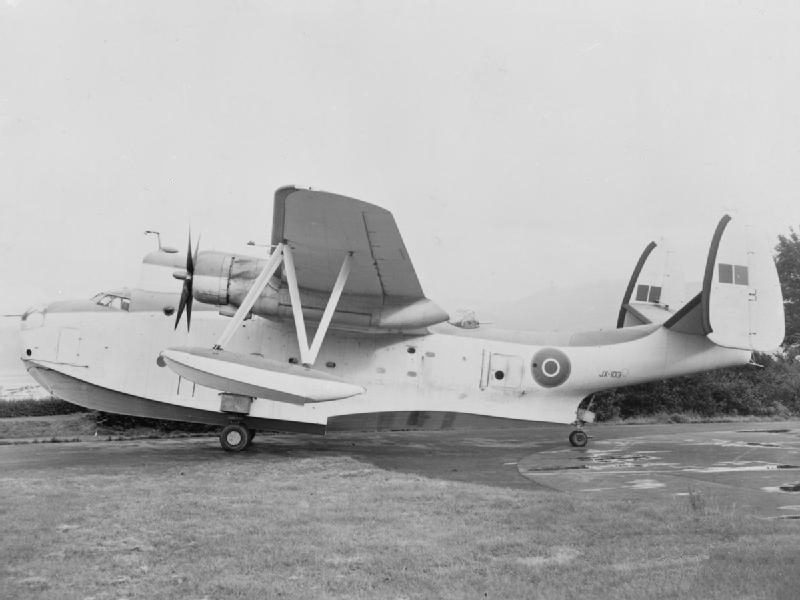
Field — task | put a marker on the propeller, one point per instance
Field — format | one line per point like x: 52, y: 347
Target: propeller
x: 186, y: 292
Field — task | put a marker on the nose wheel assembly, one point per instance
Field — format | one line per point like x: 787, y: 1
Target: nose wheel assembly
x: 236, y: 437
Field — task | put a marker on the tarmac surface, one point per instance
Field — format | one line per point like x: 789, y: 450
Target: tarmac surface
x: 752, y: 466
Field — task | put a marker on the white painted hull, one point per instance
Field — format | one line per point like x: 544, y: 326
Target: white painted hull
x: 119, y: 351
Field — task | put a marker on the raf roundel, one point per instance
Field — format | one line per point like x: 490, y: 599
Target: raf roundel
x: 550, y: 367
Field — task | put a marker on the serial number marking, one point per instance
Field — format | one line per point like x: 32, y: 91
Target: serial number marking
x: 612, y: 374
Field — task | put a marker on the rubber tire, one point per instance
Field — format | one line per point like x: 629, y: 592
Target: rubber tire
x: 578, y: 438
x: 234, y: 438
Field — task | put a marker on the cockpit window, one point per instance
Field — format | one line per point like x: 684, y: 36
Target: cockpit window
x: 112, y: 301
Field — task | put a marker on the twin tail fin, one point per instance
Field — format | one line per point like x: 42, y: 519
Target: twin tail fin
x: 740, y: 304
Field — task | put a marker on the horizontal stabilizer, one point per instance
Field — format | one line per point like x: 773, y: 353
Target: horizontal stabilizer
x: 688, y: 319
x: 258, y: 377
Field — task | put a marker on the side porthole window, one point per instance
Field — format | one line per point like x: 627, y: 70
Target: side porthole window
x: 499, y: 375
x: 330, y: 364
x: 411, y: 350
x: 293, y: 360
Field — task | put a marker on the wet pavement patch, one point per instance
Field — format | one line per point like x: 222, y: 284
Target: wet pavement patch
x: 545, y: 469
x: 764, y: 431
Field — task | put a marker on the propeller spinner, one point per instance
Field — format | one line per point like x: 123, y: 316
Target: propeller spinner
x: 186, y: 292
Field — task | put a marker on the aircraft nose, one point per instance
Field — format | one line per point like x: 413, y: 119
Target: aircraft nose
x: 33, y: 317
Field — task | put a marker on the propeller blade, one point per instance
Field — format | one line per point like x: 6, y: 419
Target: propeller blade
x: 189, y: 258
x: 181, y: 305
x: 186, y: 291
x: 189, y: 312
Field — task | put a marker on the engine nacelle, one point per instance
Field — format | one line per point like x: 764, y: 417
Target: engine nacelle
x: 223, y: 279
x: 220, y: 277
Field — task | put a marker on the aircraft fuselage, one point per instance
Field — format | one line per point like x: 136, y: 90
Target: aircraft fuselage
x: 116, y: 353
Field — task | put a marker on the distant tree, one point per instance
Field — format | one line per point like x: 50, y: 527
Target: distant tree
x: 787, y: 260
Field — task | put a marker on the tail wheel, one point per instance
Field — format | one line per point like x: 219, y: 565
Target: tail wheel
x: 234, y: 438
x: 578, y: 438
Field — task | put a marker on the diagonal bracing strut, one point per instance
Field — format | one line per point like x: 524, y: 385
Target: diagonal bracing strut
x: 309, y: 354
x: 282, y: 253
x: 252, y: 295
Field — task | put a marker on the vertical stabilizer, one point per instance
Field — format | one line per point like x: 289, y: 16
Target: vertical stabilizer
x: 656, y: 288
x: 742, y: 304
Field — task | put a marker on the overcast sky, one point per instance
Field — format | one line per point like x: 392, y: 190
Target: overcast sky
x: 520, y: 145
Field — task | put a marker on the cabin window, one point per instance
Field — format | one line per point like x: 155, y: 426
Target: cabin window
x: 725, y: 273
x: 735, y: 274
x: 648, y: 293
x: 740, y: 275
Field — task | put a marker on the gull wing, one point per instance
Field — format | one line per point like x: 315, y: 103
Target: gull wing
x: 321, y: 228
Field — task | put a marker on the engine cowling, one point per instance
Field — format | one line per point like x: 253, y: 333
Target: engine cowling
x: 223, y: 279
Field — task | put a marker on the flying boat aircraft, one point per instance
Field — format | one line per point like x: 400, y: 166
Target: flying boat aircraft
x: 334, y: 322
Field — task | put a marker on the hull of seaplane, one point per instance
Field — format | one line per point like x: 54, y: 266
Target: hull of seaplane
x: 114, y: 361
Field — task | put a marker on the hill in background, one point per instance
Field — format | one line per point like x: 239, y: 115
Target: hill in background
x: 581, y: 307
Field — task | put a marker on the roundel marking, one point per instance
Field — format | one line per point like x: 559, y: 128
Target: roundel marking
x: 550, y: 367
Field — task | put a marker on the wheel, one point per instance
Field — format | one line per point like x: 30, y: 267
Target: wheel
x: 251, y: 433
x: 234, y: 438
x: 578, y: 438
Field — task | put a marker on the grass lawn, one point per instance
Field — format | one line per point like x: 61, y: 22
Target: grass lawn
x: 320, y: 525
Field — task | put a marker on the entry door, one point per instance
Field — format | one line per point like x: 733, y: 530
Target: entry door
x: 501, y: 371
